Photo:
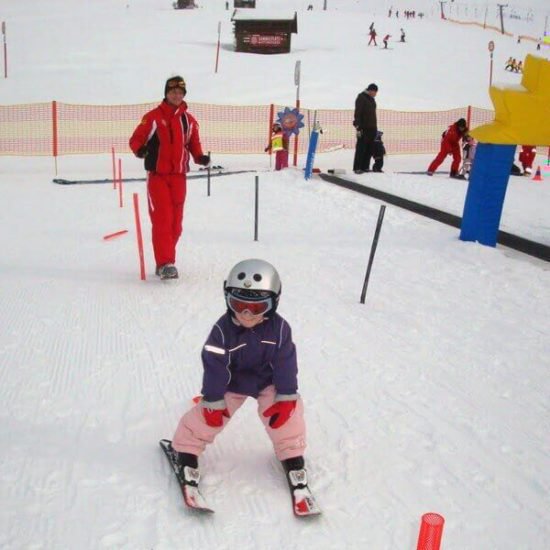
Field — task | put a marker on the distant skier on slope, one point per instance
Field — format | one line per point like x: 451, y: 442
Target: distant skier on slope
x: 450, y: 145
x: 385, y: 41
x: 372, y: 34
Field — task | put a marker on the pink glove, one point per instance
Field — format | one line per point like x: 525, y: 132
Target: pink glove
x: 280, y: 412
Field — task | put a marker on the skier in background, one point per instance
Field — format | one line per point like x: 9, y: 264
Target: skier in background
x: 378, y: 152
x: 249, y: 353
x: 372, y: 34
x: 402, y: 38
x: 166, y: 138
x: 469, y: 145
x: 385, y: 41
x: 527, y: 157
x: 278, y: 145
x: 364, y: 120
x: 450, y: 145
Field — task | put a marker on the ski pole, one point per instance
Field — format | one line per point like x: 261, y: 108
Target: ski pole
x: 256, y: 201
x: 208, y: 177
x: 373, y: 250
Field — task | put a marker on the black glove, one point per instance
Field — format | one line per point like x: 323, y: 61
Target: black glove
x: 142, y: 152
x: 204, y: 160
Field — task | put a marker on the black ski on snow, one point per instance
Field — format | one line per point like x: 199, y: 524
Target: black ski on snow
x: 188, y: 480
x: 303, y: 501
x: 192, y: 176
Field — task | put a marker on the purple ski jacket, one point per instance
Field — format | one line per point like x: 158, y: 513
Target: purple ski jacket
x: 247, y: 360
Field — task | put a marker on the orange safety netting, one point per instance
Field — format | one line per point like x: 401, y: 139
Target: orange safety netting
x: 55, y: 129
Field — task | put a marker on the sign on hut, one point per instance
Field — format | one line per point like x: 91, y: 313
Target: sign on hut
x: 184, y: 4
x: 263, y: 33
x: 244, y: 3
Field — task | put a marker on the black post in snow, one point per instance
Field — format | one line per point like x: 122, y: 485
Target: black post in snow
x: 208, y: 177
x: 373, y: 250
x: 256, y: 208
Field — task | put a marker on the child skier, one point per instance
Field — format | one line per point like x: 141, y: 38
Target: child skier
x: 378, y: 152
x: 527, y: 157
x: 278, y: 145
x: 249, y: 353
x: 385, y: 41
x: 469, y: 145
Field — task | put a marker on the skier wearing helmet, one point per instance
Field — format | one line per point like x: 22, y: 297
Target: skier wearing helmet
x: 249, y: 353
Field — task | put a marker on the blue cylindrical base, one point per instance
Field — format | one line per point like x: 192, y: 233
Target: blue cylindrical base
x: 486, y: 192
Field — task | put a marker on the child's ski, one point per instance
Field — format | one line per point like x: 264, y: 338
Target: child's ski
x: 303, y: 501
x: 188, y: 480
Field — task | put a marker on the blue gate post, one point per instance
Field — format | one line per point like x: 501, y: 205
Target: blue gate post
x: 486, y: 191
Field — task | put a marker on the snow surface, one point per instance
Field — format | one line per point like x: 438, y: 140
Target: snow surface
x: 431, y: 397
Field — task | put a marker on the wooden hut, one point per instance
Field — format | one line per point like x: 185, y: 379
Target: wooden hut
x: 264, y: 33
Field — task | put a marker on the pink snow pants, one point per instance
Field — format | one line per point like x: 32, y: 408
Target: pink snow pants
x: 193, y: 434
x: 281, y: 159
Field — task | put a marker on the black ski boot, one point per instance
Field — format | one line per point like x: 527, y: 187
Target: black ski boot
x: 296, y: 463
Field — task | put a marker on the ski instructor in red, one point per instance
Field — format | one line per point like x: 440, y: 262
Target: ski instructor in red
x: 165, y: 139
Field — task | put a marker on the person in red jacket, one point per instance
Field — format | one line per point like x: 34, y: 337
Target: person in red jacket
x: 450, y: 145
x: 527, y: 157
x: 166, y: 137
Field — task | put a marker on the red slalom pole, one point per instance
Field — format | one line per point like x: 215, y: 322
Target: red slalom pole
x: 114, y: 166
x: 431, y: 531
x: 139, y: 237
x: 113, y: 235
x: 120, y: 203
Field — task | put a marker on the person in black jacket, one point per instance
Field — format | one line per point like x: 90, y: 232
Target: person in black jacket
x: 365, y: 124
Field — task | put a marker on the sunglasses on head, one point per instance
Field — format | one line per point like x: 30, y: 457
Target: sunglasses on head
x: 255, y: 307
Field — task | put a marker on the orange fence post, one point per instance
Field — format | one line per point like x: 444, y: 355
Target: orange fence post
x: 139, y: 237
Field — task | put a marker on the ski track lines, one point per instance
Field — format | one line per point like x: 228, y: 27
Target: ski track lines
x: 110, y: 368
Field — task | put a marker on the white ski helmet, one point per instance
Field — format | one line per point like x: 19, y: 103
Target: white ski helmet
x: 254, y: 285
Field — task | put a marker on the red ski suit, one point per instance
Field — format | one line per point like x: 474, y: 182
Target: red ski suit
x: 527, y: 156
x: 167, y: 136
x: 450, y: 145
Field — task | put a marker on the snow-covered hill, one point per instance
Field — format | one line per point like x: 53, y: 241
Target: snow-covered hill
x: 433, y: 396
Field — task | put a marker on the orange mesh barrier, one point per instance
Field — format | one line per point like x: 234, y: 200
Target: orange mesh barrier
x: 26, y: 129
x: 62, y: 129
x: 476, y: 24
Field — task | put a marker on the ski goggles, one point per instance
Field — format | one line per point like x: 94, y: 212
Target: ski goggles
x: 254, y: 307
x: 175, y: 84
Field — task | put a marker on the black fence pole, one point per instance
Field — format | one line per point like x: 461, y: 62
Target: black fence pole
x: 373, y: 250
x: 256, y: 201
x: 208, y: 177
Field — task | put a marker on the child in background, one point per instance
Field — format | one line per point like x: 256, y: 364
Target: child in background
x: 527, y: 157
x: 249, y: 353
x: 378, y: 152
x: 469, y: 145
x: 279, y: 146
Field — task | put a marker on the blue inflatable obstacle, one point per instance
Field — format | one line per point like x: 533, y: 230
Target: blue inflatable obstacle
x: 314, y: 138
x: 486, y: 192
x: 522, y: 117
